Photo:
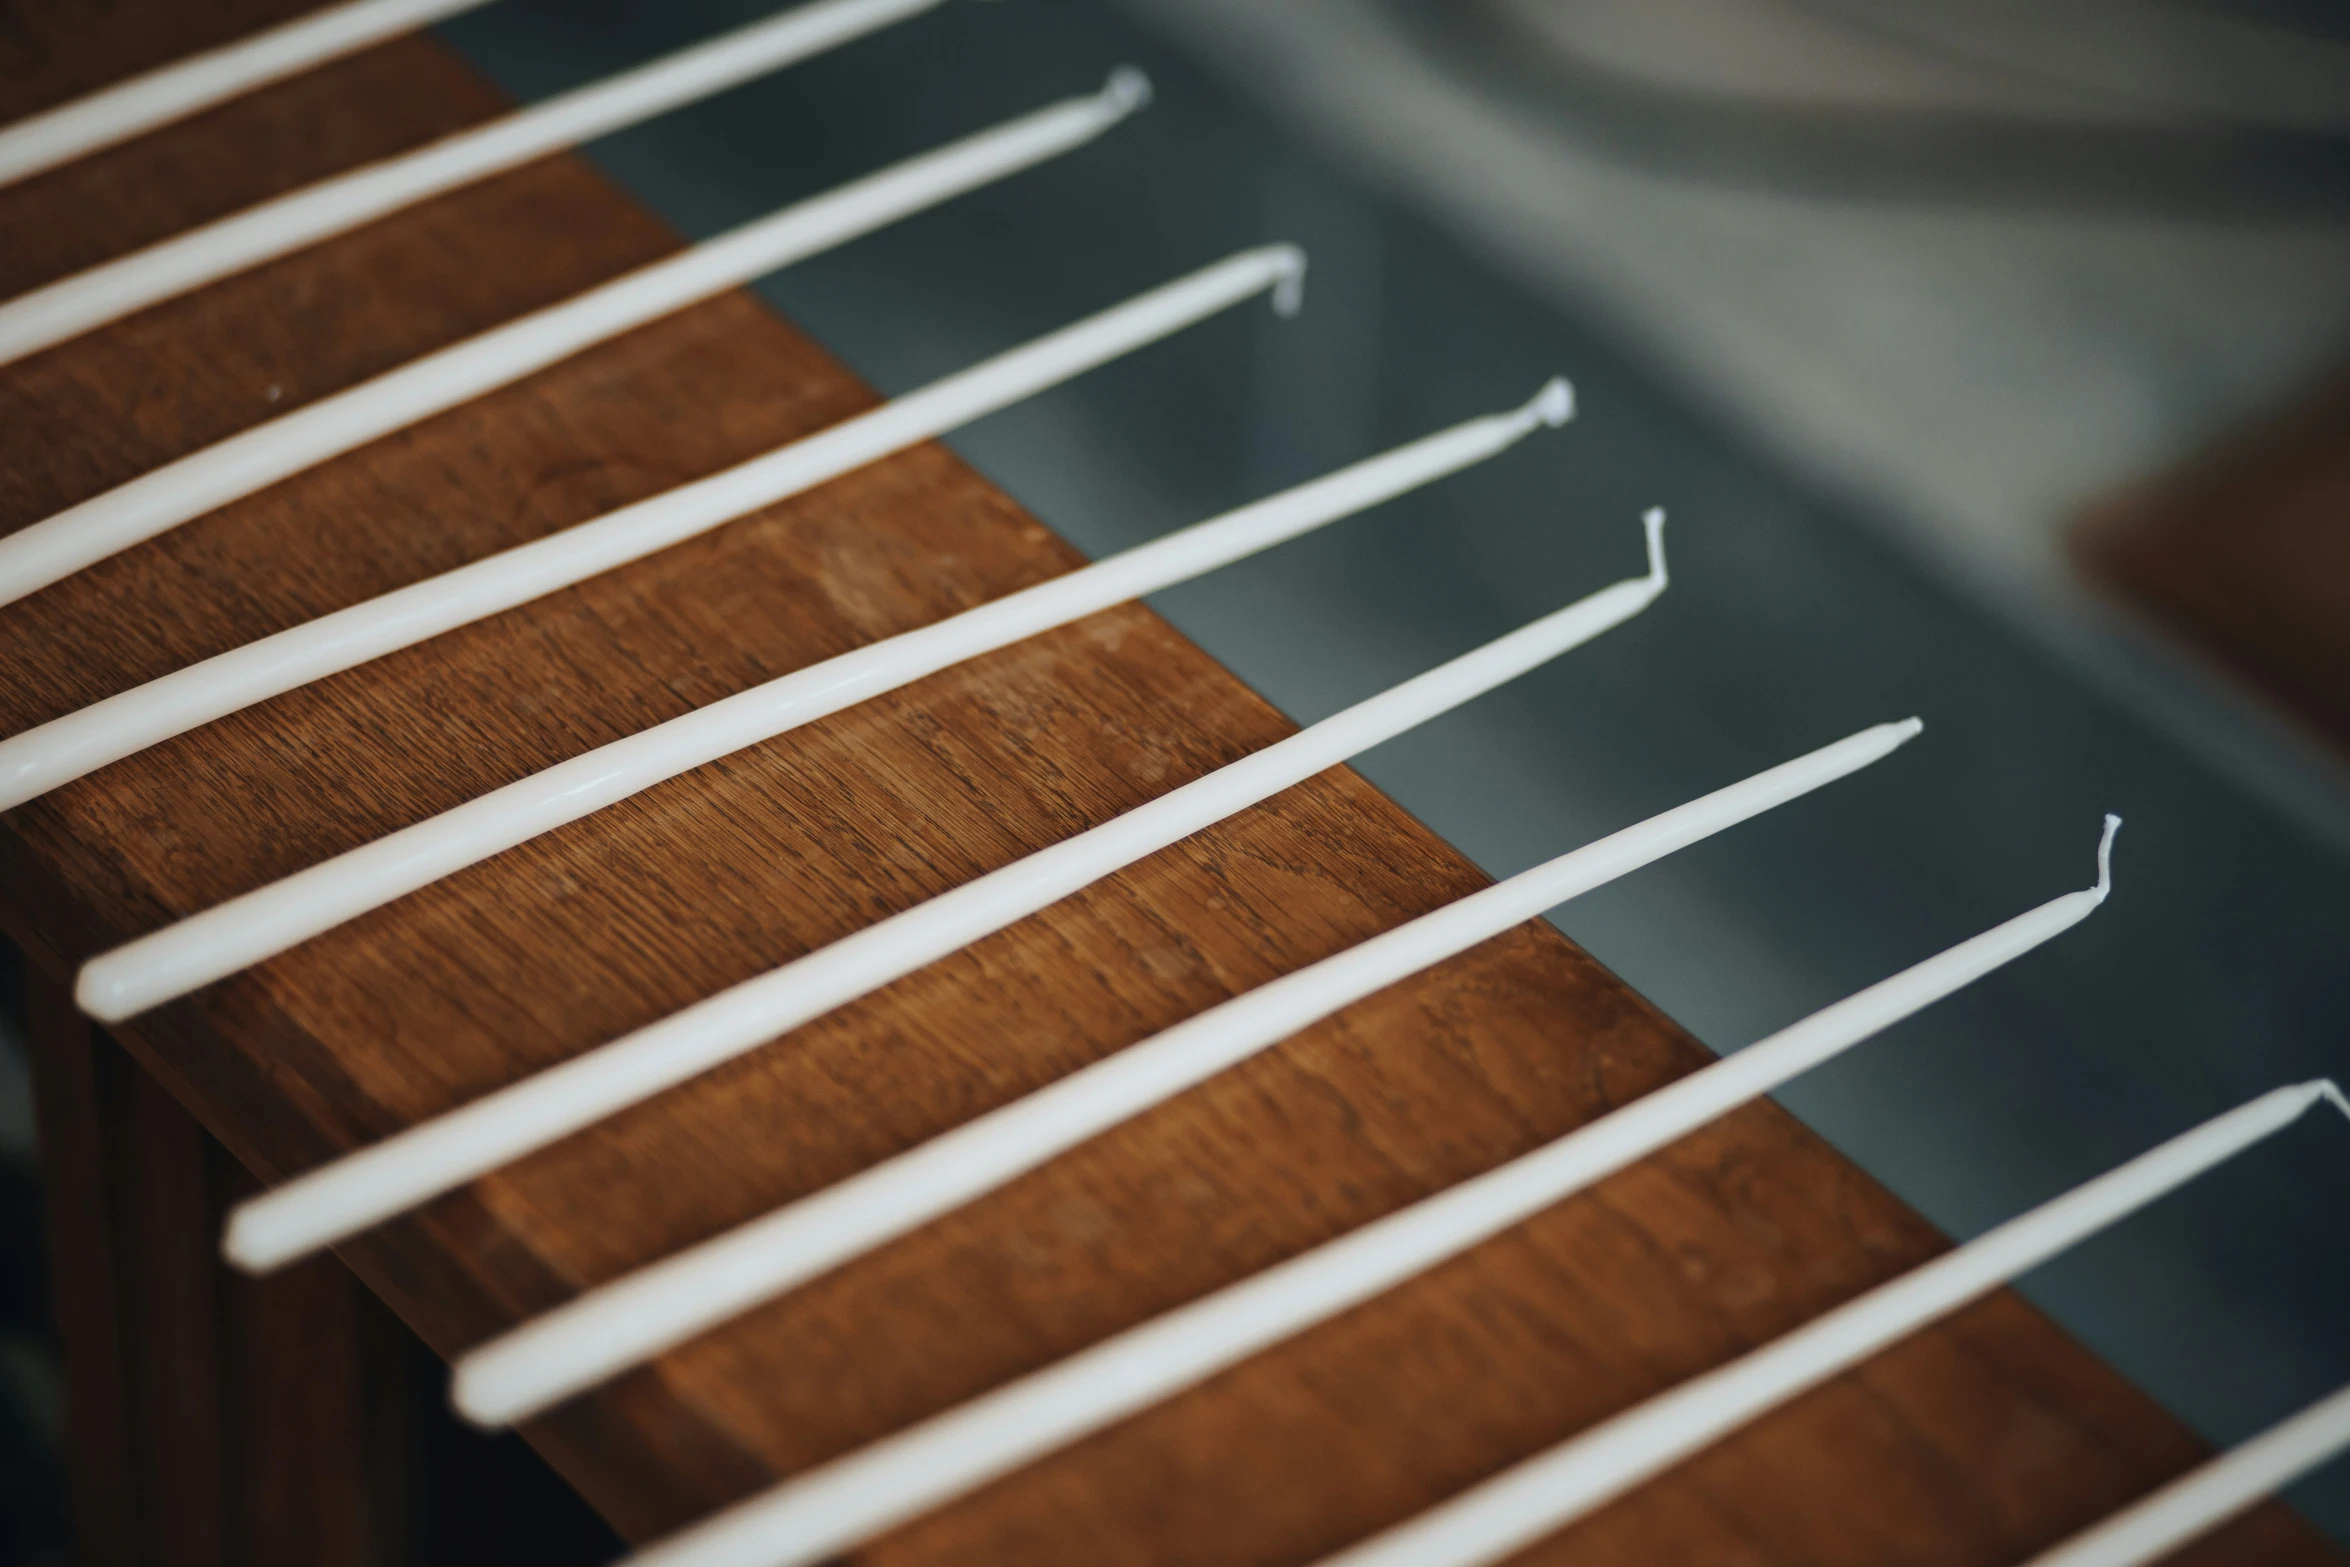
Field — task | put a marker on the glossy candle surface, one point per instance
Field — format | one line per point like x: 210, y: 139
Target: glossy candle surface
x: 2204, y: 1498
x: 252, y: 460
x: 184, y: 87
x: 71, y: 306
x: 950, y: 1455
x: 1545, y: 1494
x: 637, y: 1317
x: 65, y: 748
x: 426, y: 1160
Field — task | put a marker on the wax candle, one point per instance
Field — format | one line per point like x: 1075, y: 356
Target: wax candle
x: 54, y: 753
x: 1544, y: 1494
x: 114, y: 289
x: 175, y: 91
x: 635, y: 1318
x: 254, y: 459
x: 364, y: 1188
x: 2202, y: 1499
x: 247, y: 929
x: 836, y: 1507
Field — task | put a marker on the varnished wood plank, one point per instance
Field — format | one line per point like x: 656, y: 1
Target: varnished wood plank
x: 52, y: 51
x: 273, y: 140
x: 1979, y: 1441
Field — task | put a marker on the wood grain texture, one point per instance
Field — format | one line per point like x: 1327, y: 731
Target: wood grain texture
x: 213, y: 1418
x: 1975, y: 1443
x: 53, y: 51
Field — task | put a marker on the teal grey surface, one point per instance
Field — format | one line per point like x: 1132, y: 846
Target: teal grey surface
x: 2221, y: 967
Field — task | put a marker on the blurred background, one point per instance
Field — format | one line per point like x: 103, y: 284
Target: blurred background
x: 1990, y: 362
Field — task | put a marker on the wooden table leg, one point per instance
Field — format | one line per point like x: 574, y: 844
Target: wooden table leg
x: 212, y: 1420
x: 77, y: 1088
x: 209, y: 1419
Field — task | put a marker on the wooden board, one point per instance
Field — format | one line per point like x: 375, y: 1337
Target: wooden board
x: 2243, y: 552
x: 1974, y: 1443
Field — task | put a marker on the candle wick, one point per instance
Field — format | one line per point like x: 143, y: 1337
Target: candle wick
x: 1289, y: 280
x: 1127, y: 90
x: 1554, y: 405
x: 2113, y: 824
x: 1653, y: 520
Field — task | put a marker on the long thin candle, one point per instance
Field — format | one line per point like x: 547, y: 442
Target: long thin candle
x: 2201, y: 1500
x: 426, y: 1160
x: 266, y: 921
x: 56, y: 753
x: 74, y: 305
x: 835, y: 1508
x: 175, y: 91
x: 254, y: 459
x: 633, y: 1319
x: 1545, y: 1494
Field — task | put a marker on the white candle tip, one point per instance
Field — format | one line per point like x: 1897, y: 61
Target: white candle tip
x: 1910, y: 729
x: 2330, y: 1091
x: 2113, y: 824
x: 1127, y: 90
x: 1554, y: 405
x: 1289, y: 291
x: 100, y: 997
x: 1653, y: 521
x: 245, y: 1242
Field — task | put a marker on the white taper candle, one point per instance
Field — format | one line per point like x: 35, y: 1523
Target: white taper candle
x: 366, y: 1187
x: 901, y: 1476
x: 184, y: 87
x: 1545, y: 1494
x: 55, y: 753
x: 635, y: 1318
x: 243, y: 931
x: 71, y: 306
x: 2204, y: 1498
x: 254, y: 459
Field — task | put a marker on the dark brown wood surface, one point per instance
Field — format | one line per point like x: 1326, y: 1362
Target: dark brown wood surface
x: 2243, y: 552
x: 224, y: 1421
x: 1975, y: 1443
x: 229, y: 1447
